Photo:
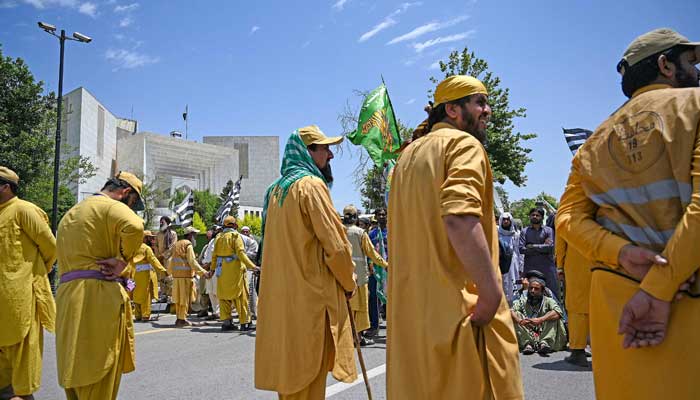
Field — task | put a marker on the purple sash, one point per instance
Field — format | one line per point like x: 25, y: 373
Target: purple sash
x: 92, y: 274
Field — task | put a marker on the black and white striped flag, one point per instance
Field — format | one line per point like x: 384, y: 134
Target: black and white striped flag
x: 233, y: 199
x: 185, y: 211
x: 576, y: 137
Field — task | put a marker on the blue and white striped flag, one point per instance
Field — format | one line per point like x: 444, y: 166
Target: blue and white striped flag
x: 185, y: 211
x: 576, y: 137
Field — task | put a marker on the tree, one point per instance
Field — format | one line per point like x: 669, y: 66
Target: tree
x: 27, y: 127
x: 507, y: 155
x: 503, y: 195
x: 198, y: 223
x: 253, y: 222
x: 152, y: 195
x: 206, y: 204
x: 521, y: 208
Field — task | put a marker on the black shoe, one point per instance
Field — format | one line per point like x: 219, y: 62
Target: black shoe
x: 228, y: 326
x: 544, y: 349
x: 578, y: 358
x: 528, y: 350
x: 370, y: 333
x: 247, y: 327
x: 202, y: 314
x: 366, y: 342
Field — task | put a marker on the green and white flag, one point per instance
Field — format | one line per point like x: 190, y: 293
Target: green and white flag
x: 377, y: 130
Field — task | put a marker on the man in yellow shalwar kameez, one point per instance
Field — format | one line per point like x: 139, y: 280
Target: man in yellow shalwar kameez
x: 444, y: 251
x: 303, y: 328
x: 632, y: 207
x: 94, y: 326
x: 361, y: 249
x: 231, y: 263
x: 27, y: 254
x: 182, y: 266
x: 577, y: 271
x: 147, y: 270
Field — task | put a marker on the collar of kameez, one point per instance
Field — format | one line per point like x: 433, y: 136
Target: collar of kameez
x: 442, y: 125
x: 8, y: 202
x: 649, y: 88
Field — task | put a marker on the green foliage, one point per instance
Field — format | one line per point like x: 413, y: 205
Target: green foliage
x: 503, y: 195
x: 521, y: 208
x: 507, y: 155
x: 197, y: 222
x: 206, y: 204
x: 372, y: 190
x: 152, y: 196
x: 253, y: 222
x: 27, y: 129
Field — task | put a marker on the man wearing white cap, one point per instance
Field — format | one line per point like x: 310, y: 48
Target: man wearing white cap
x: 632, y: 207
x: 308, y: 275
x: 444, y: 245
x: 27, y: 254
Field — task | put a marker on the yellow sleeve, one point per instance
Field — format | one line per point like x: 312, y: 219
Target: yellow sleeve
x: 369, y: 251
x: 129, y: 227
x: 681, y: 252
x: 239, y: 248
x: 154, y: 261
x: 576, y: 224
x: 461, y: 193
x: 192, y: 261
x: 35, y: 224
x: 317, y: 205
x: 560, y: 251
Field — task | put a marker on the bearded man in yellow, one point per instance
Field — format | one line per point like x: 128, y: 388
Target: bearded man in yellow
x: 147, y: 270
x: 28, y: 252
x: 632, y: 207
x: 444, y: 247
x: 183, y: 266
x: 94, y: 330
x: 361, y: 249
x: 303, y: 328
x: 231, y: 263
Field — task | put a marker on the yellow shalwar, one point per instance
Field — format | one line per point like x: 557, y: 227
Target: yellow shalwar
x: 94, y: 327
x: 577, y: 270
x: 361, y: 249
x: 231, y: 286
x: 637, y: 180
x: 28, y: 251
x: 146, y: 270
x: 303, y: 329
x: 446, y: 172
x: 182, y: 266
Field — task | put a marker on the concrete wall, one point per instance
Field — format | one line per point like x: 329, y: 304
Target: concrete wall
x: 91, y: 131
x: 260, y: 167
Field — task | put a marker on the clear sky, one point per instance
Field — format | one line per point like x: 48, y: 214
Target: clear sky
x: 268, y: 67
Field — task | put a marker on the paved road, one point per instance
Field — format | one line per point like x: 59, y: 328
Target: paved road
x: 203, y: 362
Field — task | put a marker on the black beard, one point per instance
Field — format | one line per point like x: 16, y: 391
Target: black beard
x: 327, y: 173
x: 685, y: 80
x: 473, y: 126
x: 534, y: 300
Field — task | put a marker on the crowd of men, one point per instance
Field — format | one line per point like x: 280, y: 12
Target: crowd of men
x: 627, y: 224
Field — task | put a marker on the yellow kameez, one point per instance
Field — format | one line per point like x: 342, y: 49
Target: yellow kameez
x: 231, y: 287
x: 146, y: 281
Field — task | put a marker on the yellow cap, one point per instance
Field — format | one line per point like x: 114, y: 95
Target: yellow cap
x: 230, y: 221
x: 457, y: 86
x: 191, y: 229
x: 312, y: 135
x: 148, y: 234
x: 9, y: 175
x: 652, y: 43
x: 351, y: 209
x: 135, y: 184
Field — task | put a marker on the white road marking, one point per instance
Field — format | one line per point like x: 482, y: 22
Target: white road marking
x: 341, y: 387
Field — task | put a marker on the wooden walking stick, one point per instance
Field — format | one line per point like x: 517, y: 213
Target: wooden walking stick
x: 359, y: 352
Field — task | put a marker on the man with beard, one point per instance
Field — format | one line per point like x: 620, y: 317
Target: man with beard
x: 509, y: 254
x: 307, y: 279
x: 450, y: 334
x: 378, y: 278
x: 94, y: 327
x: 538, y: 321
x: 165, y: 240
x: 537, y: 244
x: 632, y: 207
x: 27, y: 254
x: 361, y: 249
x: 182, y: 266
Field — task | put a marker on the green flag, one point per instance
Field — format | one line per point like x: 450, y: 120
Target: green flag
x: 376, y: 129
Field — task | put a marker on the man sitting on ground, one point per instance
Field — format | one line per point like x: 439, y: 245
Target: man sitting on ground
x: 538, y: 321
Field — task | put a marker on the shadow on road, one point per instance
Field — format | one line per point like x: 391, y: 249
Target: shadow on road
x: 561, y: 365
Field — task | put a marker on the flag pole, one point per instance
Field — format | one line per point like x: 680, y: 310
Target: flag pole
x: 393, y: 113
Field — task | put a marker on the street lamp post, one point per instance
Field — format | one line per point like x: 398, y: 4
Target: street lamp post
x: 78, y: 37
